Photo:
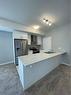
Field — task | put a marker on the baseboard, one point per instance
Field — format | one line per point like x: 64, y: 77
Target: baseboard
x: 66, y: 64
x: 9, y: 62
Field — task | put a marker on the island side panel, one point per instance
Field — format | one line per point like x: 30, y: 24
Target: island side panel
x: 36, y: 71
x: 21, y: 72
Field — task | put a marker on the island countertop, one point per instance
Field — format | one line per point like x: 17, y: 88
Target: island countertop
x: 33, y: 67
x: 34, y: 58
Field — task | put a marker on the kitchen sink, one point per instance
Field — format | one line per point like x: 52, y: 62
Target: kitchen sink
x: 49, y: 52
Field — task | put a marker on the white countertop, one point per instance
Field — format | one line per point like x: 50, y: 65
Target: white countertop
x: 34, y: 58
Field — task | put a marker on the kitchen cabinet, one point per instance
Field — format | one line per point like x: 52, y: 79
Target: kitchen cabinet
x: 20, y: 35
x: 29, y: 39
x: 39, y: 40
x: 29, y: 71
x: 34, y: 39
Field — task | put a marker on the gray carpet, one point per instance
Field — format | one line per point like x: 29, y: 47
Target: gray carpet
x: 58, y: 82
x: 9, y: 81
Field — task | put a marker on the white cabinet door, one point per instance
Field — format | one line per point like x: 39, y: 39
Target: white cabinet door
x: 29, y: 39
x: 47, y: 43
x: 20, y: 35
x: 39, y: 41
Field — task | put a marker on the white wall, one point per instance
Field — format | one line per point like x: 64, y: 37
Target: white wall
x: 47, y: 43
x: 6, y: 47
x: 61, y: 38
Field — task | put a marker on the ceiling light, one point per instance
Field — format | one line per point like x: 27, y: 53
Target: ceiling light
x: 46, y: 21
x: 50, y: 24
x: 36, y: 27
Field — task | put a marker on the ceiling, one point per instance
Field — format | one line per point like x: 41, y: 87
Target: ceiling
x: 31, y: 12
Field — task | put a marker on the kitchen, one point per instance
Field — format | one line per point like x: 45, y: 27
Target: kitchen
x: 35, y: 47
x: 31, y: 43
x: 31, y: 53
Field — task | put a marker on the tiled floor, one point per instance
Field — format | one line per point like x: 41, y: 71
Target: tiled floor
x: 58, y: 82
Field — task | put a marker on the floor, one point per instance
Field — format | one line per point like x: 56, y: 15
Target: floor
x: 57, y: 82
x: 9, y: 81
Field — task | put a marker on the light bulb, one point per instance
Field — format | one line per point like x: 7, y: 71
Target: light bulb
x: 36, y: 27
x: 44, y: 20
x: 47, y: 22
x: 50, y: 24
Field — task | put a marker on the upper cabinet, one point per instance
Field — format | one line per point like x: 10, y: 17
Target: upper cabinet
x: 29, y: 39
x: 34, y: 40
x: 39, y: 40
x: 20, y: 35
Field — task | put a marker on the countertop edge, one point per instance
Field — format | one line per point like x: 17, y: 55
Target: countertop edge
x: 56, y: 54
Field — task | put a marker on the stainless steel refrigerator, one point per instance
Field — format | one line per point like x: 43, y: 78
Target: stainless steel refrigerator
x: 21, y: 48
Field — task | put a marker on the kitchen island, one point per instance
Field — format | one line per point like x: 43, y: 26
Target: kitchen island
x: 33, y: 67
